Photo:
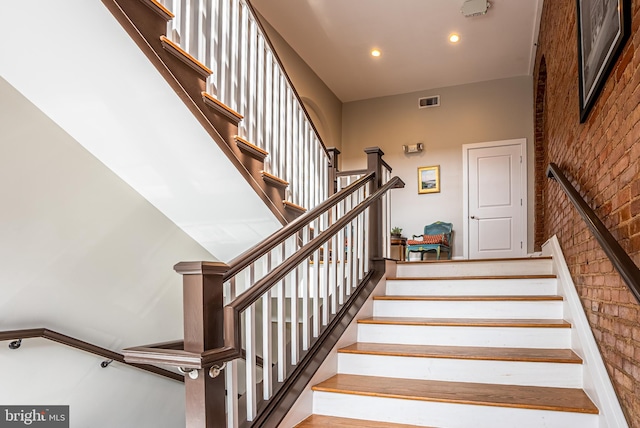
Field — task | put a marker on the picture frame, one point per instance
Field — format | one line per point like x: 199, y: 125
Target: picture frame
x: 603, y: 29
x: 429, y: 179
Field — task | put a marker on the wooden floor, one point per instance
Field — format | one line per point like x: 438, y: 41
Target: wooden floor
x: 470, y: 322
x: 469, y: 277
x: 333, y: 422
x: 465, y: 352
x: 525, y: 397
x: 518, y: 298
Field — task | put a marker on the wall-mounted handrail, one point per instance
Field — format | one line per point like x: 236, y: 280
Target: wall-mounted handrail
x: 614, y: 251
x: 54, y: 336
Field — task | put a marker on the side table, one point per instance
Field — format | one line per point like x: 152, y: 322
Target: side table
x: 398, y: 248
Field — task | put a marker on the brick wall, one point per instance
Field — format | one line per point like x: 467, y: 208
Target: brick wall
x: 601, y: 157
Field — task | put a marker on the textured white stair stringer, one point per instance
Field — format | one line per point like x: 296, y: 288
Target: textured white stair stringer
x: 449, y: 415
x: 597, y: 383
x: 564, y: 375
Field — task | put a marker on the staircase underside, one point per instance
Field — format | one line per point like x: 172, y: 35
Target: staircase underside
x: 78, y: 65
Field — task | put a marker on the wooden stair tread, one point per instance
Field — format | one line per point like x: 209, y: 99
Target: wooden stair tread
x: 476, y: 260
x: 335, y: 422
x: 477, y: 277
x: 294, y: 207
x: 251, y: 149
x: 272, y: 179
x: 222, y: 108
x: 513, y: 396
x: 185, y: 57
x: 500, y: 298
x: 465, y: 352
x: 468, y: 322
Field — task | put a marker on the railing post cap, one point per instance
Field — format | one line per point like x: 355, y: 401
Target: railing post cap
x: 370, y: 150
x: 334, y: 150
x: 201, y: 268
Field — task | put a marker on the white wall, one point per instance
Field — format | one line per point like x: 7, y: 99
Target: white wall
x: 82, y: 253
x: 479, y: 112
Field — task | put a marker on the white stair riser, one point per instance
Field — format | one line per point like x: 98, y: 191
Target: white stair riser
x: 476, y: 268
x: 512, y: 337
x: 450, y: 415
x: 476, y: 287
x: 463, y: 370
x: 469, y: 309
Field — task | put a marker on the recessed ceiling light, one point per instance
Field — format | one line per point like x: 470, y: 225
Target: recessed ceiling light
x: 375, y: 52
x: 454, y: 38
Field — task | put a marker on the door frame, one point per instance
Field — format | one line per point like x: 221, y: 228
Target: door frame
x: 522, y: 142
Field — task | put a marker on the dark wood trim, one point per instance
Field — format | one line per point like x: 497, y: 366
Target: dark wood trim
x: 54, y: 336
x: 293, y: 207
x: 185, y: 57
x: 351, y: 172
x: 274, y: 180
x: 222, y: 108
x: 252, y: 295
x: 614, y: 251
x: 178, y: 357
x: 145, y: 28
x: 159, y: 8
x: 252, y: 150
x: 278, y: 406
x: 253, y: 254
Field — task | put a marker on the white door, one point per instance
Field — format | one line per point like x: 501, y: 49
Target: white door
x: 496, y: 199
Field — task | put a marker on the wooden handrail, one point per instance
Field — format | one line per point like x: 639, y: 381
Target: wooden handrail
x: 614, y: 251
x: 232, y: 310
x: 54, y: 336
x: 232, y: 339
x: 248, y: 257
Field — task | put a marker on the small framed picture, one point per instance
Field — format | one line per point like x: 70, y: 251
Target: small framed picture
x: 603, y: 28
x: 429, y: 179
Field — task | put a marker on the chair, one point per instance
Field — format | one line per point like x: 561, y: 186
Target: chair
x: 436, y: 237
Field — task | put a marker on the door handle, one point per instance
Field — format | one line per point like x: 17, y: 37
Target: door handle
x: 474, y: 218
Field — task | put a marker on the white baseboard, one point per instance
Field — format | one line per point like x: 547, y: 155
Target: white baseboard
x: 597, y: 383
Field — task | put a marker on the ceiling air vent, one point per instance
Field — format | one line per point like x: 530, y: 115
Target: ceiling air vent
x: 429, y: 102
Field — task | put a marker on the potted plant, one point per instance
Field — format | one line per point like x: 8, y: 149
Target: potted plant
x: 396, y: 232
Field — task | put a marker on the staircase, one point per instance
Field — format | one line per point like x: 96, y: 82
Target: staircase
x: 460, y: 344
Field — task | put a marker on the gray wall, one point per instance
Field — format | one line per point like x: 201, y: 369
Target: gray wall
x: 474, y: 113
x: 83, y: 254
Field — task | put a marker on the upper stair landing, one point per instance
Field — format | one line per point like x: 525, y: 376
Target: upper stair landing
x: 78, y: 65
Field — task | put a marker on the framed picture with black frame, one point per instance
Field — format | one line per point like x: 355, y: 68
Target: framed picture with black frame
x: 603, y: 29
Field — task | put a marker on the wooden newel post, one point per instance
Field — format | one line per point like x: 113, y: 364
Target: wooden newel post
x: 333, y: 169
x: 374, y: 164
x: 203, y: 330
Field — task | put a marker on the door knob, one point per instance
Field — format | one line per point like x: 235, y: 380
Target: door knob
x: 474, y: 217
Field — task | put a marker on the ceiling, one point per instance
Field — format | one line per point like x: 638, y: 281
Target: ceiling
x: 335, y: 37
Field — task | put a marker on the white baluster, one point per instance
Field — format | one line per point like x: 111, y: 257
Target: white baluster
x: 306, y: 284
x: 250, y: 365
x: 267, y: 347
x: 231, y: 381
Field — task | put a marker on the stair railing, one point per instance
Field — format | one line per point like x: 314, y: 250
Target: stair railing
x: 278, y: 301
x: 248, y: 77
x: 614, y: 251
x: 17, y: 336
